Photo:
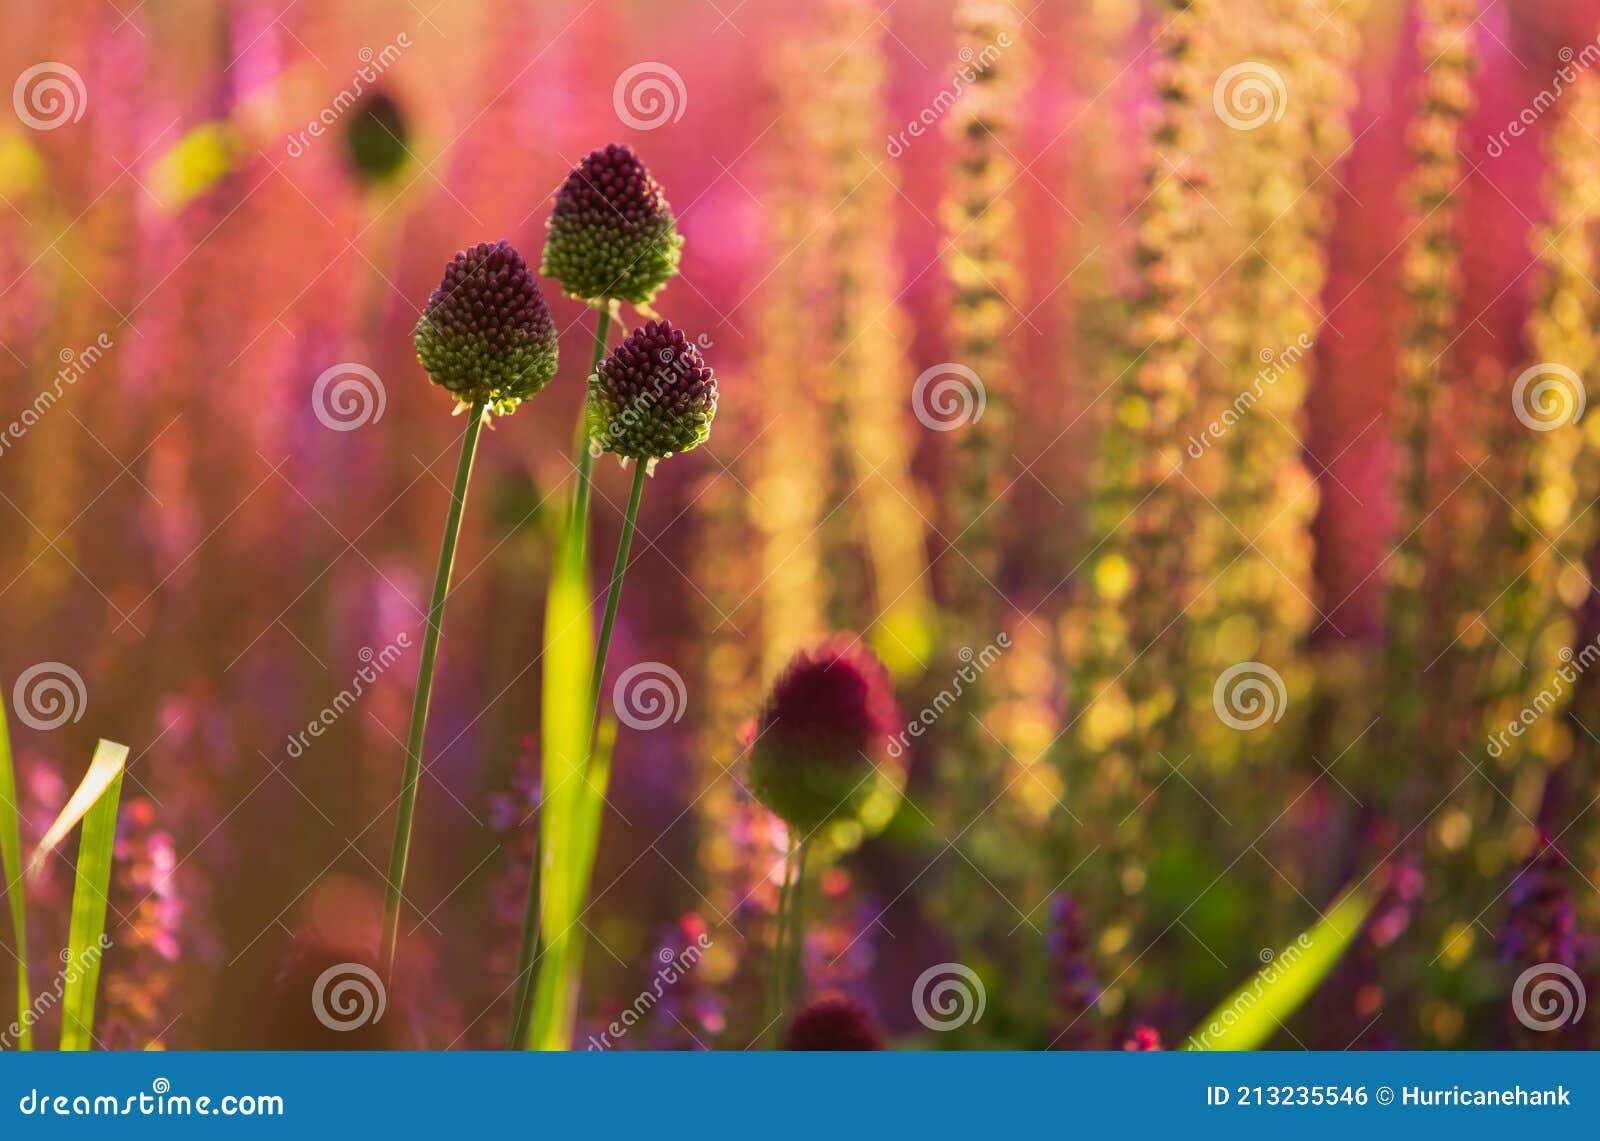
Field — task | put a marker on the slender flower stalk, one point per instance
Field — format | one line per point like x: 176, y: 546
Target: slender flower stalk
x: 485, y: 336
x: 819, y: 757
x: 652, y: 398
x: 578, y: 519
x: 611, y: 237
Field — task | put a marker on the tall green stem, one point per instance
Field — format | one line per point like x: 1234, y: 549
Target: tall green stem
x: 773, y: 1003
x: 555, y: 1007
x: 795, y: 945
x: 578, y: 516
x: 619, y: 568
x: 401, y: 849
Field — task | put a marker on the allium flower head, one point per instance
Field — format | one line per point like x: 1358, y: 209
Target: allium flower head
x: 653, y: 397
x: 486, y: 333
x: 834, y: 1023
x: 822, y: 739
x: 611, y: 233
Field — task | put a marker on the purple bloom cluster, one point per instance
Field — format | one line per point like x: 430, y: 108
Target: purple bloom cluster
x: 612, y: 233
x: 486, y: 333
x: 824, y: 730
x: 653, y: 397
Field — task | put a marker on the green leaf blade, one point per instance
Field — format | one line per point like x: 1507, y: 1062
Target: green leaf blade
x: 90, y: 896
x: 564, y: 737
x: 1249, y: 1017
x: 11, y: 873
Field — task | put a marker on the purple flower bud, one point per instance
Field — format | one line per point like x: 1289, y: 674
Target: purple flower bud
x: 486, y: 333
x: 653, y: 397
x: 834, y: 1023
x: 611, y: 233
x: 823, y: 734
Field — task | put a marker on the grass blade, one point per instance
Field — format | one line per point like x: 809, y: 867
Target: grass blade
x: 564, y: 737
x: 90, y: 894
x: 103, y: 770
x: 11, y: 874
x: 1250, y: 1016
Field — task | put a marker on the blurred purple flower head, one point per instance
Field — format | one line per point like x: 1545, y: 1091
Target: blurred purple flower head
x: 486, y: 333
x: 834, y: 1023
x: 611, y: 233
x: 823, y: 732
